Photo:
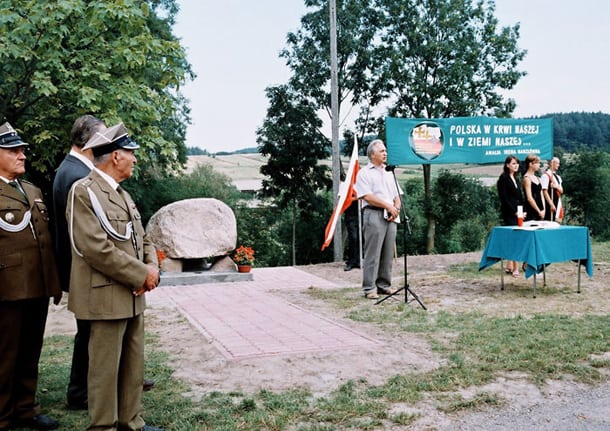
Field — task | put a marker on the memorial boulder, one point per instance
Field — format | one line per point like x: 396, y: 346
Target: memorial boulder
x: 194, y: 232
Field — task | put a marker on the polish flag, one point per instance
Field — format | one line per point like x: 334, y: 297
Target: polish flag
x: 559, y: 211
x: 347, y: 195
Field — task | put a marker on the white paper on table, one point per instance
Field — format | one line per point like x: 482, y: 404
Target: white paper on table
x: 538, y: 224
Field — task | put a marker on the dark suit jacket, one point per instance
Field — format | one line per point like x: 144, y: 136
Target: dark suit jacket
x: 510, y: 197
x: 70, y: 170
x: 103, y: 279
x: 27, y: 264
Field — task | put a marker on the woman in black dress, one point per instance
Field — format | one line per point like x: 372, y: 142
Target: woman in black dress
x: 510, y: 195
x: 532, y: 187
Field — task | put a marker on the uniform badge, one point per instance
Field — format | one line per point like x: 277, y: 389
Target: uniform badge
x: 9, y: 217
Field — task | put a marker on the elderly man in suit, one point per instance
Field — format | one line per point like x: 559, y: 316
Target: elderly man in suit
x: 113, y: 265
x: 28, y: 278
x: 76, y: 165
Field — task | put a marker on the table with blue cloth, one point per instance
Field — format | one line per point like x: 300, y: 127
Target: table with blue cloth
x: 538, y: 248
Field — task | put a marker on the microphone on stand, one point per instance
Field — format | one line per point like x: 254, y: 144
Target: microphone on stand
x: 390, y: 168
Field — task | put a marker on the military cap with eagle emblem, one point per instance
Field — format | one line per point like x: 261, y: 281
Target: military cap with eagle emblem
x: 111, y: 139
x: 9, y: 137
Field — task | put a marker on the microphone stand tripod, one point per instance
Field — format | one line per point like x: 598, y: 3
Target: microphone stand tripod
x: 406, y: 226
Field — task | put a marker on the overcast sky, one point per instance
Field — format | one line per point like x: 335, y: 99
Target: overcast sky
x: 233, y: 46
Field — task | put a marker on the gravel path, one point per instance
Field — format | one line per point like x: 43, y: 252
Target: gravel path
x: 586, y: 410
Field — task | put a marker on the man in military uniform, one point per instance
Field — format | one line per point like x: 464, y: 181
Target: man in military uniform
x: 76, y: 165
x: 28, y: 278
x: 113, y: 265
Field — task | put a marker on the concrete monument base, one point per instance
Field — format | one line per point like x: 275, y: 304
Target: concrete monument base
x: 201, y: 277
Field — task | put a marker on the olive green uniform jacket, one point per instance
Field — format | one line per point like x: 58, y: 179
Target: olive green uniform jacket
x: 105, y: 271
x: 28, y: 277
x: 27, y: 262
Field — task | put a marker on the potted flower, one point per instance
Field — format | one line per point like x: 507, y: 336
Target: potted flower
x: 243, y: 258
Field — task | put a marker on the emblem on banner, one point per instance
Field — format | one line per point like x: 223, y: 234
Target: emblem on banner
x: 426, y: 140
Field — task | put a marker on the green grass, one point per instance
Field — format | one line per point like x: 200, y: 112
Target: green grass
x: 164, y: 404
x: 601, y: 251
x: 541, y: 347
x: 474, y: 350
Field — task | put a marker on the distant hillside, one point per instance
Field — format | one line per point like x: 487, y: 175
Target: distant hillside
x: 251, y: 150
x: 578, y: 131
x: 242, y: 168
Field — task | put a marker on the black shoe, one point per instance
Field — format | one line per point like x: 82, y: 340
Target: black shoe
x: 348, y: 267
x: 148, y: 385
x: 38, y: 422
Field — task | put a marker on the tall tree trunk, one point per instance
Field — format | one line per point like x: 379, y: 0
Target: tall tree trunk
x: 428, y: 210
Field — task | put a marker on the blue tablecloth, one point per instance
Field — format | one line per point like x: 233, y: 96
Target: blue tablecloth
x: 538, y: 248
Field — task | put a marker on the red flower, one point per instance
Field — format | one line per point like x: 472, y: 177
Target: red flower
x: 243, y: 256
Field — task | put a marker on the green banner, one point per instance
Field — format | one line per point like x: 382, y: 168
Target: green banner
x: 466, y: 139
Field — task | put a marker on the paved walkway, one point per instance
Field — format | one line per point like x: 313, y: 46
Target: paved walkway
x: 245, y: 319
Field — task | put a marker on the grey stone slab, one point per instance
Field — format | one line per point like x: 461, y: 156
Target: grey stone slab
x: 202, y: 277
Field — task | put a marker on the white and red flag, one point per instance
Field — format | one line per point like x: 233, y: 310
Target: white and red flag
x: 347, y: 195
x: 559, y: 211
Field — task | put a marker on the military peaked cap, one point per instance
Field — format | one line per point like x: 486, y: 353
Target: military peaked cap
x: 9, y: 137
x: 111, y: 139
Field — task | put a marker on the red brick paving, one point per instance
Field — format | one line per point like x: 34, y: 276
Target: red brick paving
x: 246, y: 320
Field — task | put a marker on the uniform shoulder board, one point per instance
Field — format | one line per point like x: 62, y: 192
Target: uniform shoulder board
x: 86, y: 182
x: 26, y: 181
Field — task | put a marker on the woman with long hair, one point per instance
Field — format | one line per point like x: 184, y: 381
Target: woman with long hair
x: 532, y: 187
x: 510, y: 196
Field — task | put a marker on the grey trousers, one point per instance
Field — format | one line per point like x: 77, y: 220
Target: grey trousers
x: 379, y: 237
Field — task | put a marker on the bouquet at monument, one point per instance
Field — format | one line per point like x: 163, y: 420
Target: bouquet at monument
x: 243, y: 256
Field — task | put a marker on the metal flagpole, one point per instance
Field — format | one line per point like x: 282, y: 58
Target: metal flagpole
x: 360, y: 231
x: 334, y: 102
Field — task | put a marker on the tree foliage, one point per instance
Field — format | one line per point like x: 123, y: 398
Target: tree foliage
x: 581, y: 131
x: 153, y: 192
x: 271, y: 231
x: 446, y: 58
x: 260, y: 227
x: 308, y: 53
x: 416, y: 58
x: 290, y: 136
x: 586, y: 183
x: 464, y: 210
x: 117, y: 60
